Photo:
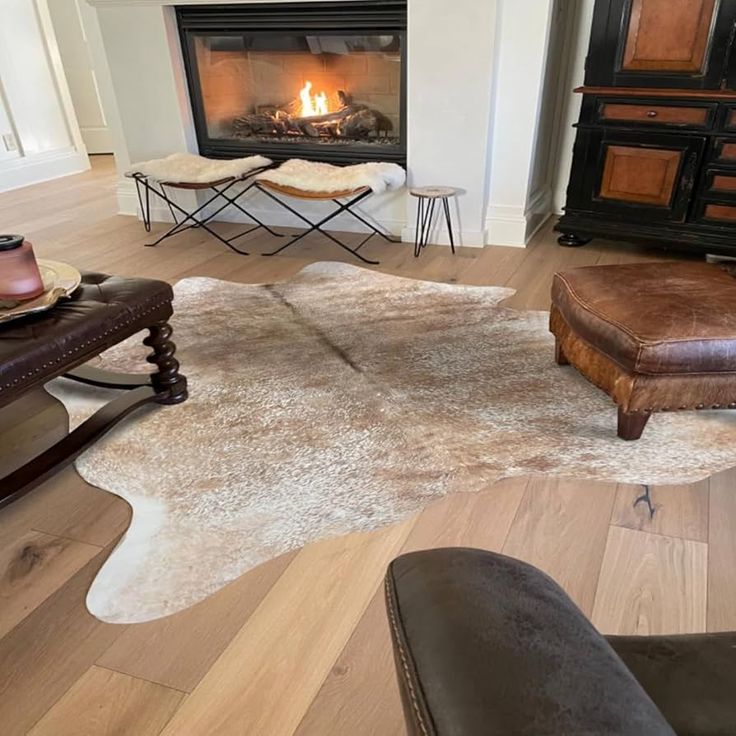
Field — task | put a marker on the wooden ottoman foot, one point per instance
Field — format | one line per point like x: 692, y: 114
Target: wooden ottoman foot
x: 631, y: 424
x: 167, y: 381
x: 560, y: 357
x: 610, y: 321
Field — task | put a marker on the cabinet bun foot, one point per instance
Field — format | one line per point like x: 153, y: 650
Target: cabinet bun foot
x: 568, y: 240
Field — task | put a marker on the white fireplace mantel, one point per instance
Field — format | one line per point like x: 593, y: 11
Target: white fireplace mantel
x: 491, y: 52
x: 109, y: 3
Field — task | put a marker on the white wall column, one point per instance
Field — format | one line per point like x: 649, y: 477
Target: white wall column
x: 37, y: 116
x: 478, y: 73
x: 152, y: 114
x: 71, y: 19
x: 449, y: 107
x: 522, y: 37
x: 578, y: 42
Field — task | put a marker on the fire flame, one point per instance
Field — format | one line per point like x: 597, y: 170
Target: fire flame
x: 312, y: 104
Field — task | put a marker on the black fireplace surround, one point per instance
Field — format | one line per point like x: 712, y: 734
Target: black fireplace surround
x: 324, y: 81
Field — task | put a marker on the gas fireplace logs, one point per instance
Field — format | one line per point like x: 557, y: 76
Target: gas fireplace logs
x: 351, y: 121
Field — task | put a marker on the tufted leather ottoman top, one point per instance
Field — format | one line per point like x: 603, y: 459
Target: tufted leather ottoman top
x: 103, y: 311
x: 654, y: 318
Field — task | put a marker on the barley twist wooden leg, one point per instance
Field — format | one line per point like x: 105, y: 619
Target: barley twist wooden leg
x: 167, y: 380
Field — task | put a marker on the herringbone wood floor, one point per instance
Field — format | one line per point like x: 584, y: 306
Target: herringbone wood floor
x: 300, y: 645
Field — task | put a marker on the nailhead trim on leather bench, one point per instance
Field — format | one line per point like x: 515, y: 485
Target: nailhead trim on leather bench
x: 104, y: 311
x: 89, y: 343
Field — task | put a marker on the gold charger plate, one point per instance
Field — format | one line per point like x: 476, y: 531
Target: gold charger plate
x: 59, y: 280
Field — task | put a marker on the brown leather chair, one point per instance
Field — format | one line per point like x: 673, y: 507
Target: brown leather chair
x: 486, y: 645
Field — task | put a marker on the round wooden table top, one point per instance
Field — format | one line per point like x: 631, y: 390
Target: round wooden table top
x: 433, y: 192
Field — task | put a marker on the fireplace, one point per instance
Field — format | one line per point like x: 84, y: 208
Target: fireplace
x: 323, y: 81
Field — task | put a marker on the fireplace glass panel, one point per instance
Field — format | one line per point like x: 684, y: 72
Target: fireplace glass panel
x: 264, y: 88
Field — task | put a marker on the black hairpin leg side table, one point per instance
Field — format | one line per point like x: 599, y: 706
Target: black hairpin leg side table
x: 427, y: 198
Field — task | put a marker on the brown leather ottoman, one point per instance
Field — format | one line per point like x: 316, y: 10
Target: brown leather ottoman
x: 102, y: 312
x: 655, y: 336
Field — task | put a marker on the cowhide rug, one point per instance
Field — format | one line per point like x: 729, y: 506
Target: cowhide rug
x: 342, y: 401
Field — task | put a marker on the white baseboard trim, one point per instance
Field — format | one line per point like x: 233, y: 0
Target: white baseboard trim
x: 506, y: 226
x: 34, y: 169
x: 515, y: 226
x: 127, y: 198
x: 538, y: 210
x: 98, y: 140
x: 269, y: 213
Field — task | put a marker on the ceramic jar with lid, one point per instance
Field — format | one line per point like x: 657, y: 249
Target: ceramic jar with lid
x: 19, y: 275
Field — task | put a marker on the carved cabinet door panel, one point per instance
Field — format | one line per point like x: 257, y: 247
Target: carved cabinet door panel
x: 640, y: 175
x: 661, y: 43
x: 637, y: 175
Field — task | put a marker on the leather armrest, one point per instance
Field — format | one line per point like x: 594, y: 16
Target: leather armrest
x: 691, y: 678
x: 486, y: 645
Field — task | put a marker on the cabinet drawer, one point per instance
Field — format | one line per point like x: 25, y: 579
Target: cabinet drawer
x: 728, y: 118
x: 690, y: 116
x: 724, y: 151
x: 719, y: 183
x: 718, y: 212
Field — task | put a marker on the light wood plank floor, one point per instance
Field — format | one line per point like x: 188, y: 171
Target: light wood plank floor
x: 300, y: 645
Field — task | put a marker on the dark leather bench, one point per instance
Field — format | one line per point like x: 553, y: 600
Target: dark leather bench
x: 486, y: 645
x: 102, y: 312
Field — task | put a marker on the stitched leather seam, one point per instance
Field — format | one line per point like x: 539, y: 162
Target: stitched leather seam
x: 586, y: 305
x: 572, y: 333
x: 642, y: 344
x: 588, y: 375
x: 595, y: 312
x: 404, y: 661
x: 636, y: 371
x: 668, y: 340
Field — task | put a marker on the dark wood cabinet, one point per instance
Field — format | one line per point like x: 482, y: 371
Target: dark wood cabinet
x: 638, y: 173
x: 681, y: 44
x: 655, y: 151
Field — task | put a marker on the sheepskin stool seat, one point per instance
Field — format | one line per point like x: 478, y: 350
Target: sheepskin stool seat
x: 311, y: 180
x: 187, y: 171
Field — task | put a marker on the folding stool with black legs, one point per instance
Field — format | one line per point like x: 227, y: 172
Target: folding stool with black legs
x: 221, y: 189
x: 353, y: 197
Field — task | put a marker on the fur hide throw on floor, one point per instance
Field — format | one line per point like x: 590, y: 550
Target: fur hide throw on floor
x: 190, y: 169
x: 342, y: 401
x: 312, y: 176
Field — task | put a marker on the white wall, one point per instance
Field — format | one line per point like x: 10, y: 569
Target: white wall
x: 136, y: 44
x: 577, y: 44
x: 477, y: 74
x: 523, y: 35
x: 551, y: 117
x: 449, y: 105
x: 6, y: 129
x: 142, y: 50
x: 69, y: 17
x: 37, y: 107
